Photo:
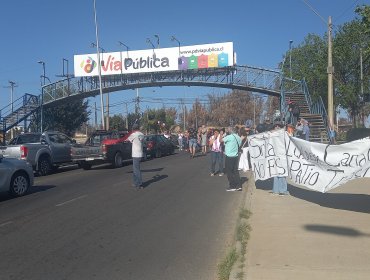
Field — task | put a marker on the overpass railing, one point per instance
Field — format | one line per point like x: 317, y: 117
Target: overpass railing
x: 236, y: 77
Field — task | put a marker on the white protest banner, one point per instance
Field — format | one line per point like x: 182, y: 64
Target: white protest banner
x: 317, y: 166
x: 267, y: 154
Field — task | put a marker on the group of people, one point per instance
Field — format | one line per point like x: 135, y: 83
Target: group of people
x: 224, y: 146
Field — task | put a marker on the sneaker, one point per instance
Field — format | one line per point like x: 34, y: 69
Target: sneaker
x: 221, y: 174
x: 238, y: 189
x: 212, y: 174
x: 231, y: 190
x: 284, y: 194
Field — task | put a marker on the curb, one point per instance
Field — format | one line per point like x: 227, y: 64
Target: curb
x: 238, y: 271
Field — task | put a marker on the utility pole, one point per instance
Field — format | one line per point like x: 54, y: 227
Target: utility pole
x: 99, y: 67
x: 126, y: 116
x: 107, y: 110
x: 330, y: 71
x: 290, y: 58
x: 137, y: 105
x: 12, y: 86
x: 96, y: 116
x: 362, y: 88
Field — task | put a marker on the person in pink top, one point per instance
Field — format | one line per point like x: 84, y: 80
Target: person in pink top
x: 216, y: 153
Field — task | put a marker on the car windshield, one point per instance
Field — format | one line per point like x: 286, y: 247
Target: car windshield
x: 98, y: 138
x: 25, y: 138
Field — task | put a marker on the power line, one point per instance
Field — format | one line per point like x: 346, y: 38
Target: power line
x: 346, y: 10
x: 316, y: 13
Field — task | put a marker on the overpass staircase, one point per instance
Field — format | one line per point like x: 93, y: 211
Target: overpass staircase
x: 18, y: 111
x: 312, y: 111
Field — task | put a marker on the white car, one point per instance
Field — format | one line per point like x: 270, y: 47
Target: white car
x: 16, y: 176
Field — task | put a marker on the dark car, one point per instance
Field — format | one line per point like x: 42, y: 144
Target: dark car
x: 156, y: 145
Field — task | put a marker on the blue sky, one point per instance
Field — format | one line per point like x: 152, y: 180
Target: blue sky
x: 52, y: 30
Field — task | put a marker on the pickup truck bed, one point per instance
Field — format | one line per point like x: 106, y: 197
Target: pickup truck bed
x: 102, y: 147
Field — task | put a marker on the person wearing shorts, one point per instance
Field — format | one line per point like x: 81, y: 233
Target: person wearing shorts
x: 192, y: 142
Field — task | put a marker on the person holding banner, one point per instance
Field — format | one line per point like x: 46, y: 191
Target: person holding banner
x: 232, y: 144
x: 280, y: 185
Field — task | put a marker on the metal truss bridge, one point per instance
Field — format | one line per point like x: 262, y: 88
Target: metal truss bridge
x: 252, y: 79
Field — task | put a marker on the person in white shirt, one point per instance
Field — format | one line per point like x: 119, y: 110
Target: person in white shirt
x: 136, y: 138
x: 216, y: 153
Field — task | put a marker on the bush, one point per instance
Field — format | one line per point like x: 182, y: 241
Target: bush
x: 357, y: 133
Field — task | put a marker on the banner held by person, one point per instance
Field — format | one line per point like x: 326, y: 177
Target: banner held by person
x: 317, y: 166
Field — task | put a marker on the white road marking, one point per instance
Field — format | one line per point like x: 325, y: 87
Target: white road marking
x: 72, y: 200
x: 6, y: 223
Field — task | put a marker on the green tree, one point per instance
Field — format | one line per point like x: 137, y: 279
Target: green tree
x: 65, y: 117
x: 309, y: 62
x: 117, y: 122
x: 349, y: 39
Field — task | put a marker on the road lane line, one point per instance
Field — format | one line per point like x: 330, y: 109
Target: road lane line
x: 5, y: 224
x: 72, y: 200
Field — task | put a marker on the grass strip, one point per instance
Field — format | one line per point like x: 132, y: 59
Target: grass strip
x: 224, y: 268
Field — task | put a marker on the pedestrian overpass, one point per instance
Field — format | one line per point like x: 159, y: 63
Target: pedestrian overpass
x: 247, y: 78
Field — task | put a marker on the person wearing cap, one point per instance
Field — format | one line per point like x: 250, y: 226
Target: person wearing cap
x: 136, y: 138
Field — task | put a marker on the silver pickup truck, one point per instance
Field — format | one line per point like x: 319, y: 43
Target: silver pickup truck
x: 45, y: 152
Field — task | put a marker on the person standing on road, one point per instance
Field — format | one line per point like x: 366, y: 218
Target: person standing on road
x: 180, y: 138
x: 216, y: 153
x: 232, y: 143
x: 203, y: 139
x: 136, y: 138
x: 280, y: 185
x: 192, y: 142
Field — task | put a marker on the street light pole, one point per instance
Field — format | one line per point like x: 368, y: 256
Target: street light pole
x: 43, y: 71
x: 122, y: 44
x: 173, y: 38
x: 42, y: 96
x: 290, y: 57
x: 330, y: 76
x: 99, y: 67
x: 157, y: 36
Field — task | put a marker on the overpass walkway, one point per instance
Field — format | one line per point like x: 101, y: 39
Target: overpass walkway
x: 247, y: 78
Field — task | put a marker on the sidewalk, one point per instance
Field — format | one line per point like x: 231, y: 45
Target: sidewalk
x: 309, y: 235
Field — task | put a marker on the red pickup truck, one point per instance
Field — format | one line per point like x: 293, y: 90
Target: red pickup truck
x: 103, y: 147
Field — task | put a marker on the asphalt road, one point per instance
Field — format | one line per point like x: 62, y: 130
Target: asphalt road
x: 92, y: 224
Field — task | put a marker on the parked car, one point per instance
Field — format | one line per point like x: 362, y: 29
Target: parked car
x: 16, y: 176
x: 45, y: 152
x: 156, y: 145
x: 102, y: 147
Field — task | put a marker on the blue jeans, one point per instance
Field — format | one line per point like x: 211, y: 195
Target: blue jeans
x: 280, y: 185
x: 136, y: 171
x: 216, y: 158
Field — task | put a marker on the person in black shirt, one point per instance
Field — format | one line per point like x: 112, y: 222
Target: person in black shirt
x: 192, y: 142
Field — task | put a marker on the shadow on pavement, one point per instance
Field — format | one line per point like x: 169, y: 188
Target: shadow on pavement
x: 343, y: 201
x: 155, y: 178
x: 346, y: 231
x: 265, y: 185
x: 149, y: 170
x: 35, y: 189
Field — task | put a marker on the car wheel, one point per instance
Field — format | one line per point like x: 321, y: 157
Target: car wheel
x: 118, y: 161
x: 85, y: 166
x: 44, y: 166
x: 158, y: 153
x: 19, y: 184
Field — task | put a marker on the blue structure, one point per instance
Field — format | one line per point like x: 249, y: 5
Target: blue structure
x: 253, y: 79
